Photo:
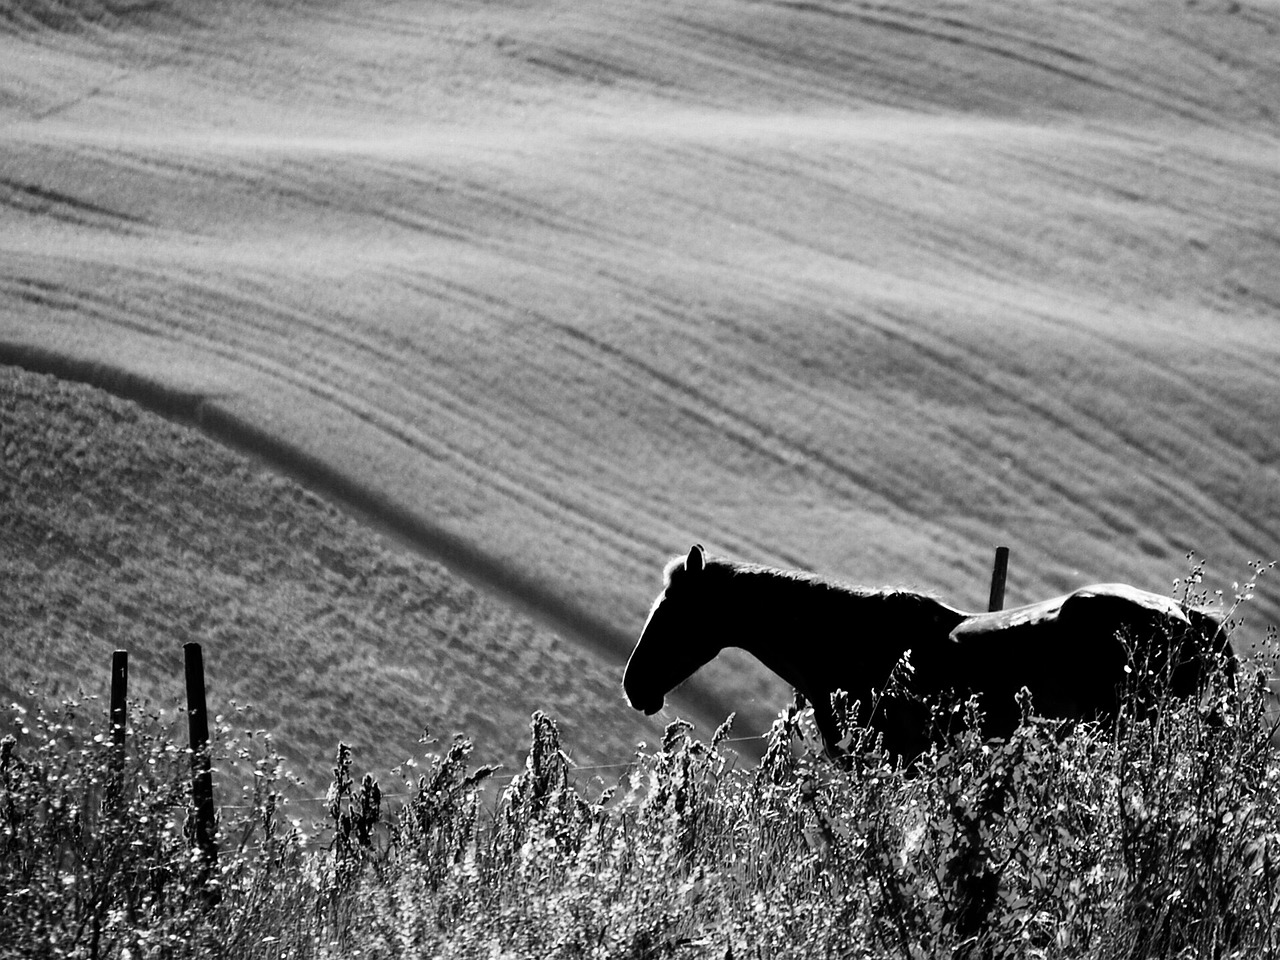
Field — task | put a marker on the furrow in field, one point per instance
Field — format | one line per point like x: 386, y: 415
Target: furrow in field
x: 772, y: 68
x: 74, y: 302
x: 946, y: 369
x: 549, y: 444
x: 1088, y: 70
x: 37, y: 201
x: 700, y: 406
x: 1068, y: 477
x: 23, y: 16
x: 405, y: 24
x: 308, y: 352
x: 462, y: 443
x: 972, y: 360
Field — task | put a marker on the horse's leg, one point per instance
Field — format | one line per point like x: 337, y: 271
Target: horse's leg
x: 825, y: 718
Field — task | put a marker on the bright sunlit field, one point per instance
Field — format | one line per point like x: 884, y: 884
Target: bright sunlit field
x: 863, y: 288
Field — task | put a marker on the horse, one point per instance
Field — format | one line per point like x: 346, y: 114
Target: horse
x: 1073, y: 653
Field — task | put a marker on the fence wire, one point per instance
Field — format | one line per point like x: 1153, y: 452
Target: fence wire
x: 497, y: 778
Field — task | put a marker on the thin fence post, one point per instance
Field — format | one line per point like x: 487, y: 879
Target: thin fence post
x: 201, y: 769
x: 997, y: 579
x: 119, y: 721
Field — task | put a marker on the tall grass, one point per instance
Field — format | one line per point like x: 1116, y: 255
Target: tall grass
x: 1155, y: 836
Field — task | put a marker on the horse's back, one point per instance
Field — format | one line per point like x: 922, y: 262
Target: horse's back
x: 998, y: 622
x: 1100, y: 602
x: 1069, y: 651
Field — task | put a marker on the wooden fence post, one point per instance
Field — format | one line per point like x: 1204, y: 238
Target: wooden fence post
x: 119, y: 721
x: 201, y: 769
x: 997, y: 579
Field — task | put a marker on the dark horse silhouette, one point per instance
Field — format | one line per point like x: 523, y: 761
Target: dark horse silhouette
x: 820, y: 635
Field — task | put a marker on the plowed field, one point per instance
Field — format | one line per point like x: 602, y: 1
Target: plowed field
x: 860, y: 287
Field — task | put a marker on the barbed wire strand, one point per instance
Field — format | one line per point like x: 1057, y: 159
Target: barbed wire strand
x: 505, y: 777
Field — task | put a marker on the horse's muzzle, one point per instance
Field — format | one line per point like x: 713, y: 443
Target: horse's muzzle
x: 647, y: 707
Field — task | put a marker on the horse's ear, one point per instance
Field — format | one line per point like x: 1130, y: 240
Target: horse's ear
x: 695, y: 561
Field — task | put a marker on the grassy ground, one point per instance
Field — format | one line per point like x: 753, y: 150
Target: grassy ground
x: 864, y: 288
x: 1156, y: 838
x: 121, y: 530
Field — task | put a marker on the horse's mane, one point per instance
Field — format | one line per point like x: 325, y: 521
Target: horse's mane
x: 725, y: 570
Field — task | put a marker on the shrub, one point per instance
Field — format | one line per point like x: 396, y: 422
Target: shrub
x: 1157, y: 835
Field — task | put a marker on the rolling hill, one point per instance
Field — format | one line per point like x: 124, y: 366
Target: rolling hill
x: 121, y: 530
x: 863, y: 287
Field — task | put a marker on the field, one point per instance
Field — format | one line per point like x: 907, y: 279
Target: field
x: 121, y: 530
x: 558, y: 289
x: 472, y: 312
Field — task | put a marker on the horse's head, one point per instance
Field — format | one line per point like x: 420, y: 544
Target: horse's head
x: 676, y: 640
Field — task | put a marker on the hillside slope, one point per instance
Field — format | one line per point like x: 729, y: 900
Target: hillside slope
x: 121, y: 530
x: 860, y: 287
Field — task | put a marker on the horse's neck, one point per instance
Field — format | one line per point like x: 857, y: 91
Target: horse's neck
x: 781, y: 638
x: 802, y: 632
x: 788, y: 625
